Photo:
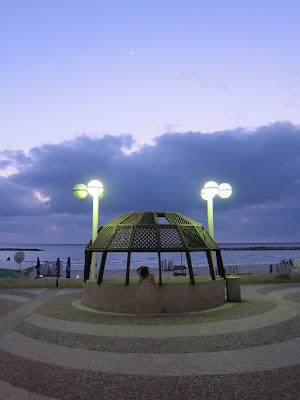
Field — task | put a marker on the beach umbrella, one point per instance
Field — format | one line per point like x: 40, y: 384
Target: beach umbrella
x: 68, y: 268
x: 58, y: 267
x: 38, y: 267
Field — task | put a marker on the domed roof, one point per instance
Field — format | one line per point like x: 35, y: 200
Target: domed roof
x: 152, y: 231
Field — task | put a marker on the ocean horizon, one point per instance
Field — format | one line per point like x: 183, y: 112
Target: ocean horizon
x: 50, y: 252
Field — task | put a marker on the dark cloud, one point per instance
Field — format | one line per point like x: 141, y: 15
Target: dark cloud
x: 262, y: 165
x: 14, y: 158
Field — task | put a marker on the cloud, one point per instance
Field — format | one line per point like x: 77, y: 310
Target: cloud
x: 262, y: 165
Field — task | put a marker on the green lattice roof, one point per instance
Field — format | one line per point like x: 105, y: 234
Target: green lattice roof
x: 142, y: 231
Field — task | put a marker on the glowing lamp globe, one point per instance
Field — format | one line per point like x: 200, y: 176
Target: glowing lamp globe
x: 210, y: 190
x: 95, y: 188
x: 80, y: 191
x: 225, y: 190
x: 204, y: 194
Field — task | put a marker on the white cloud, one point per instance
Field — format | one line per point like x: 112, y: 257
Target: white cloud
x: 41, y: 197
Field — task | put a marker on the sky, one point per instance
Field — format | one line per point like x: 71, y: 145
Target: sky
x: 153, y: 98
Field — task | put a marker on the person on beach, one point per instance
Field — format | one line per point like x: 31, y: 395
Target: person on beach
x: 145, y: 275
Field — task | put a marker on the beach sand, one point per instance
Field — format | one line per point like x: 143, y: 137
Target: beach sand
x: 253, y: 269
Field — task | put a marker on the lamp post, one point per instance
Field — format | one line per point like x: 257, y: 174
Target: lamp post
x: 209, y: 191
x: 95, y: 189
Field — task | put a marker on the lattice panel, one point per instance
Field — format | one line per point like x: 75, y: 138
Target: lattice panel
x: 103, y: 237
x: 170, y: 237
x: 121, y: 238
x: 182, y: 233
x: 145, y: 237
x: 147, y: 219
x: 116, y: 221
x: 192, y: 238
x: 132, y: 219
x: 209, y: 242
x: 177, y: 219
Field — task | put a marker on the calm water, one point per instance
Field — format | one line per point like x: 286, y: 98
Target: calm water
x: 118, y: 260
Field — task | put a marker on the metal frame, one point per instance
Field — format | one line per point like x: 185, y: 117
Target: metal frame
x: 142, y: 232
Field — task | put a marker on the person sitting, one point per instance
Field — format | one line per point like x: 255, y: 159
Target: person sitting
x: 145, y: 275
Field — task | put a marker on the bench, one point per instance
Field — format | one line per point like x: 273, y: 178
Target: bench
x: 179, y: 270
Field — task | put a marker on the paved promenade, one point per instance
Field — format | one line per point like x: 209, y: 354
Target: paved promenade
x: 52, y: 347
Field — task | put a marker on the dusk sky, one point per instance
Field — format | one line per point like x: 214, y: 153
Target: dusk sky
x: 153, y: 98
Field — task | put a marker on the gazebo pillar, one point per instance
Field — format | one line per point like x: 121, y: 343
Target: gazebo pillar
x: 211, y: 266
x: 189, y: 261
x: 128, y: 269
x: 87, y: 265
x: 103, y: 259
x: 159, y: 269
x: 221, y: 270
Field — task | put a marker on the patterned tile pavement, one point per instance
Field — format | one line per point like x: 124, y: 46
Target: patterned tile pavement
x: 52, y: 347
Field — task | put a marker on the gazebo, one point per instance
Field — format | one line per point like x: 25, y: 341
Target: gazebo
x: 153, y: 231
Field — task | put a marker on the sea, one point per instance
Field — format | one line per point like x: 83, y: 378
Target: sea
x: 48, y: 253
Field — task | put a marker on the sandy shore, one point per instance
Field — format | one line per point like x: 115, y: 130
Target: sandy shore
x: 254, y: 269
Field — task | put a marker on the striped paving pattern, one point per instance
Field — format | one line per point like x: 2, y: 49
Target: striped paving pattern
x: 52, y: 347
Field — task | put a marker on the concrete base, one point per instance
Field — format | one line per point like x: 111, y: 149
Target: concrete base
x: 233, y: 288
x: 149, y: 298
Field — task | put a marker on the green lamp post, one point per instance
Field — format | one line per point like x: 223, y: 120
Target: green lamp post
x: 95, y: 189
x: 209, y: 191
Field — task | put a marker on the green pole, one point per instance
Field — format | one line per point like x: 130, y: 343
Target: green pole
x: 210, y: 219
x: 95, y: 233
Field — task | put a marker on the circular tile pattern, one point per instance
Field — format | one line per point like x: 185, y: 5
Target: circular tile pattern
x: 50, y: 347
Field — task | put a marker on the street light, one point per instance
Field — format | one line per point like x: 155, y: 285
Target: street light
x: 225, y: 190
x: 95, y: 189
x: 209, y: 191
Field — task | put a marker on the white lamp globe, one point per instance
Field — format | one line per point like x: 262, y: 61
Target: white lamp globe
x: 225, y: 190
x: 210, y: 190
x: 95, y: 188
x: 80, y: 191
x: 204, y: 194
